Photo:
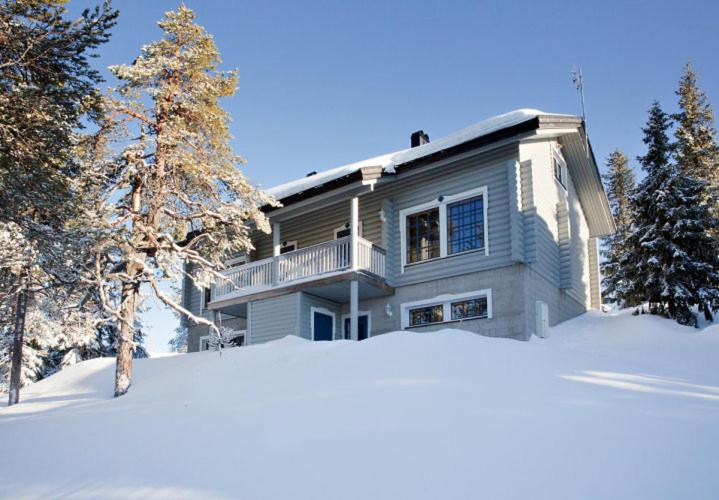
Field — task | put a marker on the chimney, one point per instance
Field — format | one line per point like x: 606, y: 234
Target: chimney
x: 418, y: 138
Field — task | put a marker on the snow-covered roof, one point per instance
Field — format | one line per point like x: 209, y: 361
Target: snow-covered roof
x: 389, y: 161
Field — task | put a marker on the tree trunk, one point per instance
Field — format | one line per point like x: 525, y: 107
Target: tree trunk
x: 126, y: 342
x: 19, y: 327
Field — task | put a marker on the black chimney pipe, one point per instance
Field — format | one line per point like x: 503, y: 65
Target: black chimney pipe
x: 418, y: 138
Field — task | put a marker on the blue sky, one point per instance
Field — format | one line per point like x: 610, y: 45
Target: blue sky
x: 328, y: 83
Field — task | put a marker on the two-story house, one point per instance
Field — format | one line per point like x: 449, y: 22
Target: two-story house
x: 492, y: 229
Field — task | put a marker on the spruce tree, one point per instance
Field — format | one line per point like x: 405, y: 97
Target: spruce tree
x: 174, y: 194
x: 675, y: 260
x: 696, y: 147
x: 620, y: 184
x: 47, y: 93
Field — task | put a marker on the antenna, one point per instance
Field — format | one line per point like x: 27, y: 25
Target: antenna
x: 578, y: 80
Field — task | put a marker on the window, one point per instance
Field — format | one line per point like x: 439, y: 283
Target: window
x: 472, y: 308
x: 423, y: 236
x: 446, y: 226
x: 235, y: 341
x: 446, y: 308
x: 288, y: 246
x: 344, y: 230
x: 465, y: 225
x: 206, y: 296
x: 559, y: 167
x: 426, y: 315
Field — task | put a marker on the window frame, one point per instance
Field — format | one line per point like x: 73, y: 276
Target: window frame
x: 346, y: 226
x: 446, y: 302
x: 288, y: 243
x: 564, y: 171
x: 443, y: 224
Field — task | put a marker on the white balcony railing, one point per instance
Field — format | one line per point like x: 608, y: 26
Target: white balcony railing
x: 305, y: 263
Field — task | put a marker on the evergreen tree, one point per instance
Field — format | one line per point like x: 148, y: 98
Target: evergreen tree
x: 620, y: 184
x: 47, y: 90
x: 676, y: 259
x: 174, y: 194
x: 696, y: 147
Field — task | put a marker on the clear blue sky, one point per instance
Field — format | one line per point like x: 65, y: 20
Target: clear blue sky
x: 328, y: 83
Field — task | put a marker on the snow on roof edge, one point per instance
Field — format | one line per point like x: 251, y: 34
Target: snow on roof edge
x: 389, y: 161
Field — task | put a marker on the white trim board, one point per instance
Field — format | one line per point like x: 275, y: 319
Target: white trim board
x: 326, y: 312
x: 442, y: 205
x: 446, y: 301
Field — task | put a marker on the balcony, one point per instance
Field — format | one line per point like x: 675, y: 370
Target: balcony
x: 304, y: 265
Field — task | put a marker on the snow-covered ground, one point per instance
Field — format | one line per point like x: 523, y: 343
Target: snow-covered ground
x: 609, y: 407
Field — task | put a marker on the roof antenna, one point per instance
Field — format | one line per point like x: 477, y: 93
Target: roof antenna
x: 578, y: 80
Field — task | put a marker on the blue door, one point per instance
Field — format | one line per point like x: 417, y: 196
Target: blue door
x: 362, y: 327
x: 322, y: 326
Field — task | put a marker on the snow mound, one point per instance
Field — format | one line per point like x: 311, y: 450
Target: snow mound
x: 390, y: 161
x: 610, y: 406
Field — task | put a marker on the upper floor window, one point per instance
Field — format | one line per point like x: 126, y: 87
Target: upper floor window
x: 423, y: 235
x: 559, y: 167
x: 465, y: 225
x: 288, y: 246
x: 446, y: 226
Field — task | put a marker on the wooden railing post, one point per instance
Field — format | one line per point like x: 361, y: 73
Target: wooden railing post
x: 354, y: 233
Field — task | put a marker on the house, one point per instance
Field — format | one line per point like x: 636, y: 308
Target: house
x: 492, y: 229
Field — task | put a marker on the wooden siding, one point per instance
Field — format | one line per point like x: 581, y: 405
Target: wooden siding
x: 514, y: 189
x: 274, y: 318
x: 564, y: 234
x: 595, y: 278
x: 472, y: 171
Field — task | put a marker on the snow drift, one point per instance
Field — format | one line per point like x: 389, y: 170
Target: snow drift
x: 608, y: 407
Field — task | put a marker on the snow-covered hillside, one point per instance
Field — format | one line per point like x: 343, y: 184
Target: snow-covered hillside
x: 608, y: 407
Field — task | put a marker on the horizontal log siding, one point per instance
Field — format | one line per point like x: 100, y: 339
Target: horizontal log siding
x: 487, y: 169
x: 274, y: 318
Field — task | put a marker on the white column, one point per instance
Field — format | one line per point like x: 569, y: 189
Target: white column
x: 354, y: 310
x: 354, y: 232
x: 276, y: 243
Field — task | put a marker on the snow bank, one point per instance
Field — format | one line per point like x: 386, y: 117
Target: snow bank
x: 389, y: 161
x: 608, y: 407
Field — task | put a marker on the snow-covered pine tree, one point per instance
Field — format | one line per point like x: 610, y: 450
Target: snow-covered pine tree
x: 696, y: 146
x: 175, y: 193
x: 675, y: 260
x: 47, y: 91
x: 620, y: 183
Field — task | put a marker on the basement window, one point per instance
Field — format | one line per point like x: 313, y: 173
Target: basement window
x: 448, y: 308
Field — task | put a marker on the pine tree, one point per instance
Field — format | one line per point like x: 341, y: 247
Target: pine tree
x: 620, y: 183
x: 175, y: 194
x: 47, y: 91
x: 696, y: 147
x: 676, y: 259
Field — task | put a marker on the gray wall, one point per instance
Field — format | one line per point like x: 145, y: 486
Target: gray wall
x: 272, y: 319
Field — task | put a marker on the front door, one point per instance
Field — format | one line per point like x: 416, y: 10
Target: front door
x: 322, y: 325
x: 362, y: 327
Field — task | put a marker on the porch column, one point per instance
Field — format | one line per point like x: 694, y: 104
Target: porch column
x: 354, y: 310
x: 354, y: 232
x: 276, y: 243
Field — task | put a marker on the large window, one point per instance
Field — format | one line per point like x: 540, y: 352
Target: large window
x: 423, y: 235
x: 446, y: 308
x: 446, y: 226
x: 465, y: 225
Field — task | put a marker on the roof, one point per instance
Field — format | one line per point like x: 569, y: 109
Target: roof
x: 390, y: 161
x: 485, y: 132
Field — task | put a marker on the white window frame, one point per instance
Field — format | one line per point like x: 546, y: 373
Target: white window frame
x: 442, y: 205
x: 288, y: 243
x: 206, y: 338
x: 446, y: 302
x: 564, y: 172
x: 359, y: 313
x: 345, y: 227
x: 327, y: 312
x: 203, y: 339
